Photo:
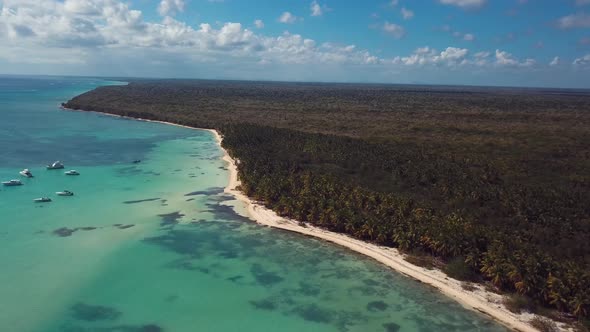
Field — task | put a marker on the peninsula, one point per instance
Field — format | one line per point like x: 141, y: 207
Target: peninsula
x: 489, y: 186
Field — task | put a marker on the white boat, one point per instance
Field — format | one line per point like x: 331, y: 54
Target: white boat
x: 65, y: 193
x: 56, y: 165
x: 72, y: 172
x: 26, y: 173
x: 42, y: 200
x: 12, y: 183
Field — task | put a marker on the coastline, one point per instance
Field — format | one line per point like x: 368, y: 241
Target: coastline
x: 480, y: 300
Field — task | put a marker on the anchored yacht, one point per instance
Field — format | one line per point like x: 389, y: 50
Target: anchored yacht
x: 26, y: 173
x: 56, y: 165
x: 12, y: 183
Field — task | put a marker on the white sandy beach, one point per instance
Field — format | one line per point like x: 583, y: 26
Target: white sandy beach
x: 480, y: 300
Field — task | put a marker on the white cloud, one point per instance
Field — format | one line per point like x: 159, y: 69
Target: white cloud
x: 583, y: 61
x: 397, y: 31
x: 505, y: 59
x: 406, y: 13
x: 481, y: 58
x: 451, y: 56
x: 468, y: 37
x: 288, y: 18
x: 579, y: 20
x: 84, y: 32
x: 582, y: 2
x: 555, y: 61
x: 465, y: 4
x: 168, y: 7
x: 316, y: 9
x: 393, y: 3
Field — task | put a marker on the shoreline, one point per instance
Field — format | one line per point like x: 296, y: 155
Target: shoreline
x: 480, y: 300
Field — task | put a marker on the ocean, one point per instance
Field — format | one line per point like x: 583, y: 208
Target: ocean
x: 157, y: 246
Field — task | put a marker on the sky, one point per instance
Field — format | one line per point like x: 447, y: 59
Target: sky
x: 543, y: 43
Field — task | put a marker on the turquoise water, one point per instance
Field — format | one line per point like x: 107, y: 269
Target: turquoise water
x: 154, y: 246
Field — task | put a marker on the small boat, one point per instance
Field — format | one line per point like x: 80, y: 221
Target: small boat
x: 56, y: 165
x: 26, y: 173
x: 65, y: 193
x: 42, y: 200
x: 136, y: 161
x: 12, y: 183
x: 72, y: 172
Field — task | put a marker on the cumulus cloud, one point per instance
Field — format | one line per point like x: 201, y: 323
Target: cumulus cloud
x: 288, y: 18
x: 407, y: 14
x: 555, y: 61
x: 504, y: 59
x: 583, y: 61
x: 579, y: 20
x: 397, y: 31
x: 393, y: 3
x: 465, y: 4
x: 316, y: 9
x: 451, y: 56
x: 79, y: 32
x: 167, y: 7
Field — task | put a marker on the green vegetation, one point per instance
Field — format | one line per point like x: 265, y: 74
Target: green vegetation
x: 458, y: 269
x: 497, y: 182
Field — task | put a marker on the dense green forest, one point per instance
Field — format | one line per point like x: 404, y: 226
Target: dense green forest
x: 493, y: 181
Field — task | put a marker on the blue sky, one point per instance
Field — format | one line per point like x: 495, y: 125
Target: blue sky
x: 474, y: 42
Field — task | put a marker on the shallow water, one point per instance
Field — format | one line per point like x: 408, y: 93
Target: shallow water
x: 154, y: 247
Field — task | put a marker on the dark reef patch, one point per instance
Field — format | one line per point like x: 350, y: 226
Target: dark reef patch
x: 314, y: 313
x: 264, y: 304
x: 235, y: 278
x: 91, y: 313
x: 125, y: 226
x: 308, y: 289
x: 264, y: 277
x: 116, y: 328
x: 224, y: 212
x: 376, y: 306
x: 142, y: 200
x: 181, y: 242
x: 391, y: 327
x: 64, y: 231
x: 170, y: 218
x: 208, y: 192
